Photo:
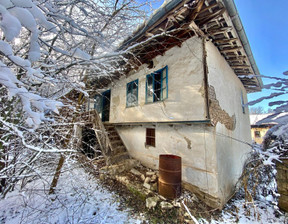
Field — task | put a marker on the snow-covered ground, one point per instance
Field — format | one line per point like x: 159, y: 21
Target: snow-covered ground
x: 260, y: 206
x: 78, y: 199
x: 242, y: 212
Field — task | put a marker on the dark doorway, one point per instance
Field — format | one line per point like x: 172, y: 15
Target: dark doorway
x: 106, y: 105
x: 89, y: 142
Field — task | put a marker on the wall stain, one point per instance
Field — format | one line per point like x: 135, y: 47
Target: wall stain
x: 217, y: 114
x: 188, y: 142
x: 116, y: 101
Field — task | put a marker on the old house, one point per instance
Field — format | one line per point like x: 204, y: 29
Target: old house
x: 260, y: 128
x: 184, y: 92
x: 263, y: 123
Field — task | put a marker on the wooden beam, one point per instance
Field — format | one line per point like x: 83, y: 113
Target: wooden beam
x: 208, y: 18
x: 196, y: 29
x: 236, y: 58
x: 240, y: 66
x: 224, y: 41
x: 219, y: 30
x: 231, y: 49
x: 243, y: 73
x: 208, y: 8
x: 172, y: 12
x: 193, y: 15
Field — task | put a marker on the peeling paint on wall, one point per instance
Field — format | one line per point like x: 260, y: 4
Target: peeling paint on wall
x: 217, y: 114
x: 202, y: 90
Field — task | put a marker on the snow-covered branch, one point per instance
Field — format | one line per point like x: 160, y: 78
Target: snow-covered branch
x: 49, y: 51
x: 278, y: 88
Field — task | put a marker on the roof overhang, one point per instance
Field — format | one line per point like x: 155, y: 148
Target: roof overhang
x: 176, y: 21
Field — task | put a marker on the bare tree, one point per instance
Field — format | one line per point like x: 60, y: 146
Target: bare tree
x: 49, y: 48
x: 257, y: 110
x: 278, y: 88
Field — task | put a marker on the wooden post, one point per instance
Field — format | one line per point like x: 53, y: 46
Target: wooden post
x: 62, y: 158
x: 57, y: 175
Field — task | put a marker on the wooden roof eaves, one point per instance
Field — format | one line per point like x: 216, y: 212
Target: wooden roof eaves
x: 196, y: 21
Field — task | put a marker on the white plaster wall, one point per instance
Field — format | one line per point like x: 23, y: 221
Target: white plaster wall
x: 185, y: 92
x: 195, y: 144
x: 231, y: 153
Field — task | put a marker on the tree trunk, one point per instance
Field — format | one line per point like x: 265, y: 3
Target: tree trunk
x: 57, y: 175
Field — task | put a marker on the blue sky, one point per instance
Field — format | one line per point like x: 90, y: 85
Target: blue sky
x: 266, y: 26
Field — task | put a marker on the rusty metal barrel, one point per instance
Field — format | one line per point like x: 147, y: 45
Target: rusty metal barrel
x: 170, y: 176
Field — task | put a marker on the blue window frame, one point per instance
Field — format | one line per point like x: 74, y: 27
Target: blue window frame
x: 132, y: 94
x: 157, y: 85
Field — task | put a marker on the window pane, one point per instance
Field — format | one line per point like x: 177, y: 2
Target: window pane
x: 150, y: 137
x: 132, y: 94
x: 164, y: 90
x: 149, y: 89
x: 98, y: 103
x: 150, y: 132
x: 257, y: 134
x: 157, y: 86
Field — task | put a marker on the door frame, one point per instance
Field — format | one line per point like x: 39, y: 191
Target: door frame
x: 106, y: 100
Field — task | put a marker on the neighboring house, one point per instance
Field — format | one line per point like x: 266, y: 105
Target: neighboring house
x: 261, y: 123
x: 184, y: 94
x: 258, y: 127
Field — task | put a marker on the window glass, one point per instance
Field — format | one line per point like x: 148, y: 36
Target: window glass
x: 157, y: 85
x: 149, y: 89
x: 132, y: 93
x: 164, y: 92
x: 150, y: 137
x: 257, y: 134
x: 98, y: 103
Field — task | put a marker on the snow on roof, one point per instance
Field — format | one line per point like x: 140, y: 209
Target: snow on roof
x: 255, y: 118
x: 270, y: 118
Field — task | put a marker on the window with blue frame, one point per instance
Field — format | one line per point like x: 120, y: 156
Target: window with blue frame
x: 132, y: 94
x: 157, y: 85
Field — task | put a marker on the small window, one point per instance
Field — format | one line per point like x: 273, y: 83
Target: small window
x: 150, y: 137
x: 157, y: 85
x: 257, y: 134
x: 132, y: 94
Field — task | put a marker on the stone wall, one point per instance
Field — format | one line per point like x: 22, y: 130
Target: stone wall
x: 282, y: 183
